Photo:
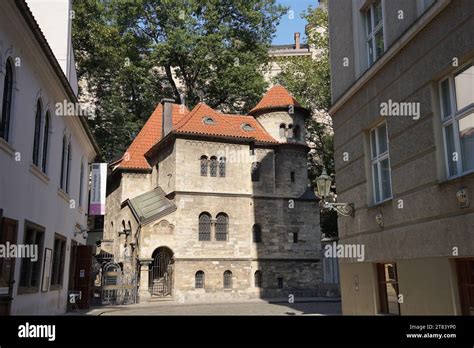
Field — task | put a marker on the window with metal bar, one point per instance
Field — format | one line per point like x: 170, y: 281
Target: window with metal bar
x: 222, y: 223
x: 199, y: 280
x: 227, y: 280
x: 213, y: 166
x: 204, y: 165
x: 205, y: 227
x: 222, y: 166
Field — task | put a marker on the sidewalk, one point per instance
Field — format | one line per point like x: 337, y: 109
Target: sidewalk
x: 171, y: 307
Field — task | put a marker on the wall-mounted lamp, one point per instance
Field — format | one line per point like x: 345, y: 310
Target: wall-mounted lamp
x: 81, y: 231
x: 324, y: 186
x: 463, y: 198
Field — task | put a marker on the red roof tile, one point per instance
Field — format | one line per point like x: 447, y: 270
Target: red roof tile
x: 276, y: 97
x: 192, y: 122
x: 148, y: 136
x: 223, y: 125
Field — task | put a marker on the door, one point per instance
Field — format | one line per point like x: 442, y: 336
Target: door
x: 83, y: 277
x: 8, y: 235
x: 465, y: 271
x: 161, y: 276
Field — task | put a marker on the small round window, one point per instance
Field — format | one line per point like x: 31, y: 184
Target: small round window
x: 247, y: 127
x: 208, y: 120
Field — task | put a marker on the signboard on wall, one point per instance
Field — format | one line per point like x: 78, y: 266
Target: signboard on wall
x: 98, y: 185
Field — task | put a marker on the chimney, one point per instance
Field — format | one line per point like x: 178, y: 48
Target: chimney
x: 167, y: 116
x: 297, y: 40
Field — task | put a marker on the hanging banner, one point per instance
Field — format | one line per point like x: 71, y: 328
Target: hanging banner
x: 98, y: 183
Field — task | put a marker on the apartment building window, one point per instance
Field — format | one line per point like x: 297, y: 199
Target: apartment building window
x: 47, y: 126
x: 380, y: 159
x: 30, y: 269
x: 81, y: 185
x: 59, y: 255
x: 374, y: 26
x: 37, y: 134
x: 7, y: 101
x: 388, y: 288
x: 457, y: 117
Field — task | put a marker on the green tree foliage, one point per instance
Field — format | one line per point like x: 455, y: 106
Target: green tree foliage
x: 129, y: 51
x: 308, y: 79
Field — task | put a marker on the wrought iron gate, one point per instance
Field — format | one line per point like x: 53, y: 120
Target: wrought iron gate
x: 118, y: 287
x: 161, y: 275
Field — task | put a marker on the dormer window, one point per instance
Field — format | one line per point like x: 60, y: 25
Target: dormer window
x: 208, y: 120
x: 246, y: 127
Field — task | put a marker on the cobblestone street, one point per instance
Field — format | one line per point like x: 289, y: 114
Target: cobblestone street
x: 251, y: 307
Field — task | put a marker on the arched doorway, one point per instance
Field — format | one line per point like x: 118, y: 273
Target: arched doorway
x: 161, y: 272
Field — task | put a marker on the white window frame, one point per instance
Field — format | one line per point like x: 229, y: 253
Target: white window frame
x: 378, y: 159
x: 375, y: 30
x: 453, y: 119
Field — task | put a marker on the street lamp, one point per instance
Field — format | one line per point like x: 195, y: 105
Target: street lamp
x: 323, y: 183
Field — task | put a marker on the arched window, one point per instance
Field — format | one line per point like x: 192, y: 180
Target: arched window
x: 47, y: 122
x: 282, y: 130
x: 256, y: 234
x: 227, y: 280
x: 62, y: 182
x: 255, y: 171
x: 297, y: 132
x: 37, y: 134
x: 222, y: 223
x: 199, y: 280
x: 257, y: 278
x: 213, y: 166
x: 68, y: 166
x: 7, y: 101
x: 289, y: 131
x: 205, y: 226
x: 204, y: 164
x: 222, y: 167
x: 81, y: 184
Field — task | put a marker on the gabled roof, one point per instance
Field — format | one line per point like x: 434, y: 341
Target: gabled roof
x: 150, y: 134
x: 151, y: 205
x: 206, y: 121
x: 276, y: 97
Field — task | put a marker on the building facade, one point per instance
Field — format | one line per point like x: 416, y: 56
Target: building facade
x: 403, y: 115
x: 206, y: 206
x: 44, y: 160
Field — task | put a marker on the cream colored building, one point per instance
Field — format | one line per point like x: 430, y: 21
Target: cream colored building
x: 407, y: 171
x: 44, y: 157
x: 206, y: 206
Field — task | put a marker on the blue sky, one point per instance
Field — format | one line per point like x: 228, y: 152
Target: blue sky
x: 287, y: 28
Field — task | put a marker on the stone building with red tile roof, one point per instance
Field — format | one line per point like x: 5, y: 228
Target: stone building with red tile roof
x: 206, y: 206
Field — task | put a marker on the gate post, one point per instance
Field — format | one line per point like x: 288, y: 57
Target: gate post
x: 144, y: 291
